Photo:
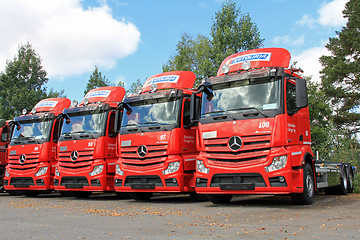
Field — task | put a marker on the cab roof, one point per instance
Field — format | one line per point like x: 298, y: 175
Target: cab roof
x: 170, y: 80
x: 259, y: 58
x: 52, y: 105
x: 111, y: 95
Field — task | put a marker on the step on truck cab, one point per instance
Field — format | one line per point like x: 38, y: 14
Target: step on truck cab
x: 157, y: 140
x: 254, y: 130
x: 32, y: 149
x: 87, y: 149
x: 4, y: 143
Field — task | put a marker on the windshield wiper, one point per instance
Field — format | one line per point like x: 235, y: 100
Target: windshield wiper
x: 157, y: 123
x: 225, y: 112
x: 31, y: 139
x: 249, y: 108
x: 84, y: 134
x: 133, y: 124
x: 68, y: 135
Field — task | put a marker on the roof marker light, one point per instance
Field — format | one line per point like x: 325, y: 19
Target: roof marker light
x: 246, y: 65
x: 74, y: 103
x: 33, y: 111
x: 86, y: 101
x: 153, y: 87
x: 225, y: 68
x: 24, y: 111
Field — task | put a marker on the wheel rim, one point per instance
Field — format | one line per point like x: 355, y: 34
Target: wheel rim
x: 344, y: 182
x: 309, y: 185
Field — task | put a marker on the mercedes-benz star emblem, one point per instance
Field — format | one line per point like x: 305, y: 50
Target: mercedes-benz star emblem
x: 74, y: 155
x: 142, y: 151
x: 235, y: 143
x: 22, y: 158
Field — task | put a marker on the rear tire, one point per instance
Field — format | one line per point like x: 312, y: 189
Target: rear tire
x: 141, y: 196
x: 342, y: 189
x: 220, y: 198
x: 308, y: 194
x: 350, y: 182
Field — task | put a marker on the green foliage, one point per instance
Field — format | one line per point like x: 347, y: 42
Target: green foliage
x: 341, y: 72
x: 135, y: 87
x: 96, y: 80
x: 22, y: 84
x: 231, y: 32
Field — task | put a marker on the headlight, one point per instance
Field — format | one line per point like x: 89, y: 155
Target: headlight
x: 277, y: 163
x: 57, y: 172
x: 97, y: 170
x: 41, y: 171
x: 173, y: 167
x: 7, y: 173
x: 200, y: 167
x: 118, y: 170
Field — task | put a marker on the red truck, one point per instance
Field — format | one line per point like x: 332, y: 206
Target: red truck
x: 254, y: 132
x: 87, y: 149
x: 4, y: 142
x: 157, y: 141
x: 32, y: 149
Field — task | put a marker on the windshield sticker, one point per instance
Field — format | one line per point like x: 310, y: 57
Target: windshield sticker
x: 269, y: 106
x: 250, y: 57
x: 46, y: 104
x: 163, y: 79
x: 100, y: 93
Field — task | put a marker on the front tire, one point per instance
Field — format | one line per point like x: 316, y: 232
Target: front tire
x: 308, y: 194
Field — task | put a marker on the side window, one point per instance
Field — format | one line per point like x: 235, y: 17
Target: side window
x: 290, y: 98
x: 186, y: 117
x: 4, y: 134
x: 112, y: 130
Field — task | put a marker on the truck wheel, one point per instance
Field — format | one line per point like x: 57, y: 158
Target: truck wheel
x: 141, y: 196
x: 308, y: 195
x: 220, y: 198
x: 79, y: 194
x: 199, y: 197
x: 342, y: 189
x: 350, y: 182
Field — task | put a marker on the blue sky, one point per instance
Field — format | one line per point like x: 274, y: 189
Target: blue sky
x: 132, y: 39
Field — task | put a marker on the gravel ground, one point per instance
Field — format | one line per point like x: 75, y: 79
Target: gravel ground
x: 103, y: 216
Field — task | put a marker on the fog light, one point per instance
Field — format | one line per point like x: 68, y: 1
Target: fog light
x: 97, y: 170
x: 118, y: 170
x: 41, y: 171
x: 173, y: 167
x: 281, y: 179
x: 200, y: 167
x: 198, y: 180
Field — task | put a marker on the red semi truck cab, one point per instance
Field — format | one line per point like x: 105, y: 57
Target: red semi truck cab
x: 4, y: 143
x: 32, y: 149
x: 254, y: 129
x: 157, y: 140
x: 87, y: 145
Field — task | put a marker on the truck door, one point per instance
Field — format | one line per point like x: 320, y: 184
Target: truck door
x: 4, y: 142
x: 188, y: 144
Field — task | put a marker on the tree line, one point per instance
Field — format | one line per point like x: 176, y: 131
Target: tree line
x: 334, y: 102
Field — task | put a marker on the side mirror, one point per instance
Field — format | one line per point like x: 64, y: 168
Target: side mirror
x: 194, y: 108
x: 301, y: 93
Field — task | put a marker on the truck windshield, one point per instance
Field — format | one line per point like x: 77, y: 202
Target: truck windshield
x: 243, y: 96
x: 89, y: 124
x: 32, y: 132
x: 160, y: 112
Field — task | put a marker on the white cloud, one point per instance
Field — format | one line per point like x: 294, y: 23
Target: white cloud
x: 69, y: 39
x: 329, y: 15
x: 308, y: 61
x: 288, y: 40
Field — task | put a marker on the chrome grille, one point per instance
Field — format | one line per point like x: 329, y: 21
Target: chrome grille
x: 155, y: 157
x: 32, y: 160
x: 254, y: 148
